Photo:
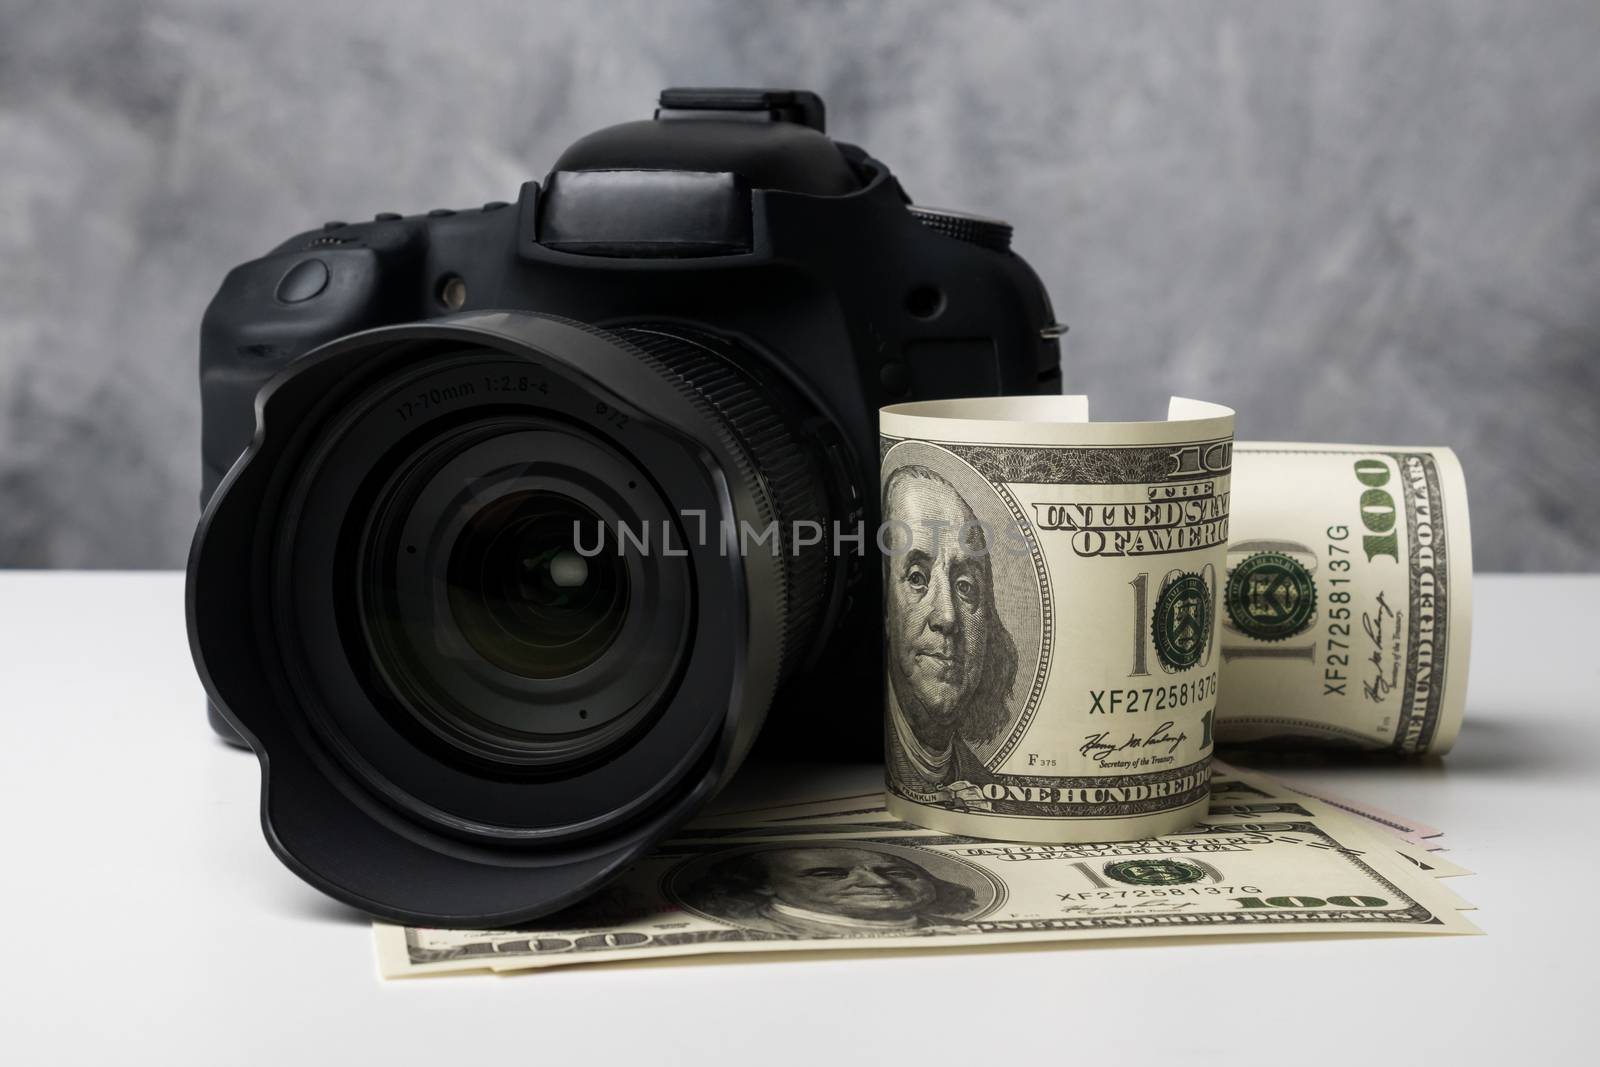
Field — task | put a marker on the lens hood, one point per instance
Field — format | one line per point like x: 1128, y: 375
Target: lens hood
x: 514, y: 813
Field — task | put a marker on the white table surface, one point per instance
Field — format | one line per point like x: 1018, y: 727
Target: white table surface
x: 145, y: 919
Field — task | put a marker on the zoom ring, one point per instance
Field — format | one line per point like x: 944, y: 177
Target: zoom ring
x: 788, y: 479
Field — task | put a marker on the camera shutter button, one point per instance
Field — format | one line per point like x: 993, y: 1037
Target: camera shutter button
x: 303, y: 281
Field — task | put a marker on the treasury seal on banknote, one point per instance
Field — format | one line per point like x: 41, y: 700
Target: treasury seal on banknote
x: 1182, y: 627
x: 1050, y: 615
x: 1270, y: 596
x: 1154, y: 872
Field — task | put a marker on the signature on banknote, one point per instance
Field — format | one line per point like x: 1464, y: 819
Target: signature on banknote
x: 1100, y: 748
x: 1374, y: 622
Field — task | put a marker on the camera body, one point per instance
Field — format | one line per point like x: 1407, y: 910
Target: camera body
x: 729, y: 219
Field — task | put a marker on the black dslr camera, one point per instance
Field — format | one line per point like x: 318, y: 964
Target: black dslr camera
x: 518, y: 518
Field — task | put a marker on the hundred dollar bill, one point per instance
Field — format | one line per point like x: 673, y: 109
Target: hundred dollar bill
x: 1242, y: 794
x: 1227, y: 782
x: 884, y: 824
x: 1050, y: 589
x: 1347, y: 605
x: 1413, y: 830
x: 1235, y: 794
x: 1227, y: 779
x: 1288, y: 875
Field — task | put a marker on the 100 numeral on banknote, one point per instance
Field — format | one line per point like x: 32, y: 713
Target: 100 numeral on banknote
x: 1050, y: 592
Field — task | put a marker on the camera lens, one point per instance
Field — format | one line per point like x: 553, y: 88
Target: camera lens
x: 523, y: 594
x: 500, y: 606
x: 502, y: 599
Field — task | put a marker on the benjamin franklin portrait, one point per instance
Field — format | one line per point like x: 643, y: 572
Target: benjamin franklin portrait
x: 951, y: 661
x: 828, y: 891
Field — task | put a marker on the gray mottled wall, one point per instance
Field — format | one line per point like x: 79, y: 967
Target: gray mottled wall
x: 1353, y: 221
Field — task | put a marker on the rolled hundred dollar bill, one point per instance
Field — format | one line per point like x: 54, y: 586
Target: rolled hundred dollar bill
x: 1348, y: 602
x: 1050, y: 590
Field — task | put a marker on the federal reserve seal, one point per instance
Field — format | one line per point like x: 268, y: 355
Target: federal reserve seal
x: 1153, y: 872
x: 1270, y: 596
x: 1182, y: 624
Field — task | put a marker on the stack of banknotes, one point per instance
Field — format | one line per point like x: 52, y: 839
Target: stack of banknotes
x: 843, y: 873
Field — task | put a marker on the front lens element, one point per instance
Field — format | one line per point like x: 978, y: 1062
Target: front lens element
x: 524, y: 596
x: 499, y: 606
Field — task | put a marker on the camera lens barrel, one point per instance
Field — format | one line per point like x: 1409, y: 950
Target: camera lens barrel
x: 500, y: 599
x: 762, y: 419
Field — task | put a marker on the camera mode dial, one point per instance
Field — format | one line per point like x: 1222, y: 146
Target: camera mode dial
x: 993, y: 234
